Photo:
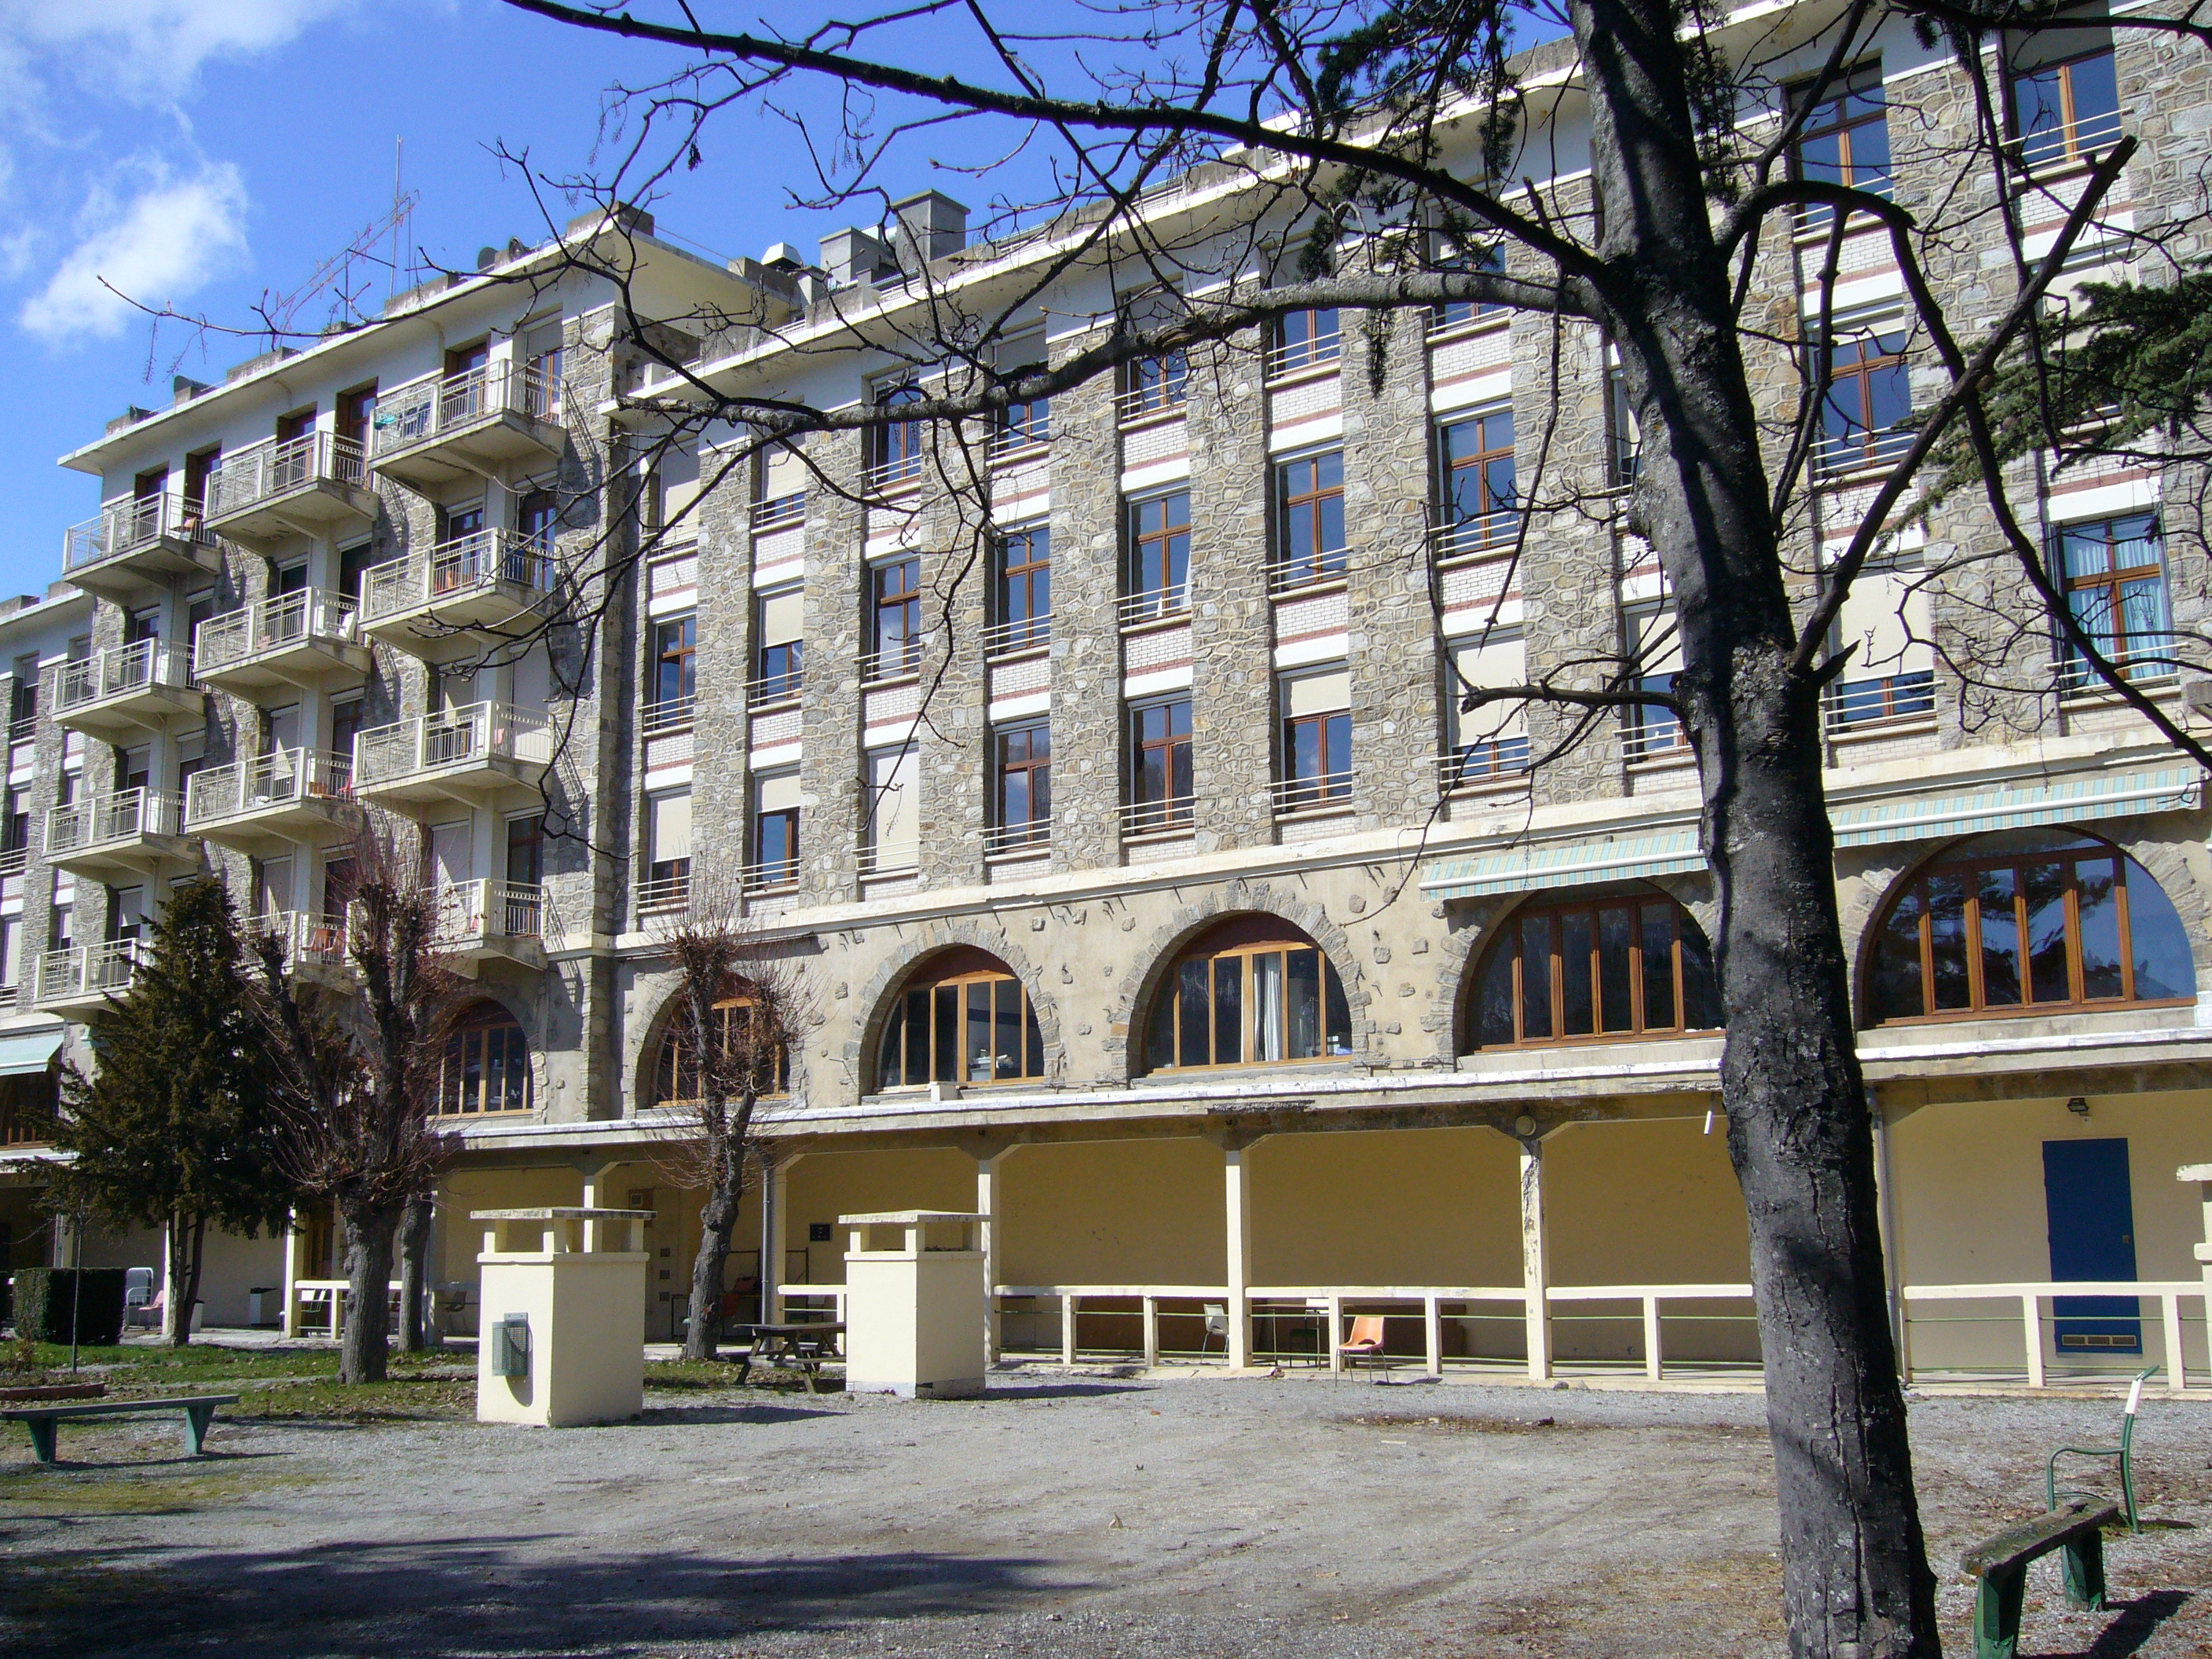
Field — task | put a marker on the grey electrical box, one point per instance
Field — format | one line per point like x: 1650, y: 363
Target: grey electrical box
x: 510, y: 1346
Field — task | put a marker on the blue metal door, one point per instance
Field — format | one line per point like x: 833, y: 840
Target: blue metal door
x: 2092, y: 1214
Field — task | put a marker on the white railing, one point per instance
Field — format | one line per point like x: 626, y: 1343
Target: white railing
x: 2152, y: 658
x: 1655, y: 737
x: 1175, y: 816
x: 83, y: 971
x: 274, y: 623
x: 1019, y: 437
x: 1000, y: 839
x: 126, y: 525
x: 1167, y: 396
x: 2076, y: 140
x: 1289, y: 357
x: 482, y: 909
x: 661, y: 894
x: 1023, y: 633
x: 672, y: 714
x: 2026, y: 1300
x: 781, y: 514
x: 439, y: 405
x: 1861, y: 452
x: 126, y: 815
x: 1323, y: 791
x: 1477, y: 534
x: 280, y: 778
x: 473, y: 736
x: 320, y: 939
x: 900, y: 472
x: 14, y: 861
x: 1154, y: 605
x: 770, y: 876
x: 270, y: 470
x: 457, y: 568
x: 890, y: 860
x: 1312, y: 571
x: 771, y: 691
x: 120, y: 671
x: 1858, y: 705
x: 899, y: 659
x: 1476, y: 765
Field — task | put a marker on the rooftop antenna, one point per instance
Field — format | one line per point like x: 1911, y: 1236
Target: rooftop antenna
x: 391, y: 276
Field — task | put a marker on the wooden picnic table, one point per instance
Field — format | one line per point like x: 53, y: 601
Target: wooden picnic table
x: 800, y: 1347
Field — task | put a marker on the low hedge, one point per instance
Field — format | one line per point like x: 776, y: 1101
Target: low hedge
x: 48, y: 1301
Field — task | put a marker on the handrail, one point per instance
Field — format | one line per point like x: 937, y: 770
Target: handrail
x: 897, y: 660
x: 270, y: 470
x: 1323, y: 790
x: 306, y: 938
x: 1175, y: 816
x: 126, y: 525
x: 484, y: 909
x: 1023, y: 633
x: 278, y: 778
x: 1154, y: 605
x: 464, y: 565
x: 272, y: 623
x: 772, y: 690
x: 76, y: 970
x: 120, y: 670
x: 436, y: 406
x: 672, y: 714
x: 1485, y: 762
x: 121, y: 815
x: 476, y: 733
x: 1477, y: 534
x: 1034, y: 835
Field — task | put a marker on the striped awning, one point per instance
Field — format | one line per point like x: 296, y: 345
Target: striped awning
x: 24, y: 1052
x: 1933, y: 816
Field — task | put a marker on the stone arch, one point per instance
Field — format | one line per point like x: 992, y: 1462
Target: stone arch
x: 2162, y: 858
x: 525, y: 1011
x: 641, y: 1056
x: 934, y: 939
x: 1134, y: 996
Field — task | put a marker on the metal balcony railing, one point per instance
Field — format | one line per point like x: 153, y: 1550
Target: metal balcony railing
x: 456, y: 569
x: 894, y: 659
x: 772, y: 690
x: 274, y: 623
x: 1175, y: 816
x: 14, y: 861
x: 105, y: 820
x: 75, y: 972
x: 670, y: 714
x: 1477, y: 534
x: 486, y: 909
x: 2079, y: 140
x: 1654, y: 735
x: 282, y: 777
x: 1165, y: 396
x: 125, y: 525
x: 781, y: 514
x: 1033, y: 837
x: 1837, y: 455
x: 770, y: 876
x: 1023, y: 633
x: 270, y: 471
x: 658, y: 894
x: 1289, y: 357
x: 306, y: 939
x: 1312, y: 571
x: 1032, y: 430
x: 1854, y: 705
x: 120, y: 671
x: 440, y: 405
x: 893, y: 473
x: 897, y: 860
x: 478, y: 734
x: 1475, y: 764
x: 2150, y: 658
x: 1323, y: 791
x: 1155, y: 605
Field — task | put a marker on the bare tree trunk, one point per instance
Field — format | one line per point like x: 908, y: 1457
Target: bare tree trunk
x: 718, y: 1220
x: 413, y: 1273
x: 363, y: 1353
x: 187, y: 1240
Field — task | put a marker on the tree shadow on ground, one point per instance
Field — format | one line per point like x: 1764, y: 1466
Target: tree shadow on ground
x: 1051, y: 1391
x: 2138, y: 1623
x: 492, y: 1596
x: 664, y: 1416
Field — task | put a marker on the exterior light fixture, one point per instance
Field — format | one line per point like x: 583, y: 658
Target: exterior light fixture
x: 2079, y: 1106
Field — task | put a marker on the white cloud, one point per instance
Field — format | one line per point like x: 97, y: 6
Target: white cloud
x: 158, y: 246
x: 142, y: 51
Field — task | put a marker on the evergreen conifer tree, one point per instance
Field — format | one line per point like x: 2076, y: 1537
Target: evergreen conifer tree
x: 172, y: 1128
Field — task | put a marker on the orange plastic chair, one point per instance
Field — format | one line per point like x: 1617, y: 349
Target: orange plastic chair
x: 1367, y: 1339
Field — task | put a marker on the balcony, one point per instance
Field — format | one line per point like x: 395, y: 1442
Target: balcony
x: 664, y: 896
x: 1842, y: 454
x: 309, y: 941
x: 119, y: 693
x: 482, y: 921
x: 303, y: 486
x: 770, y: 876
x: 1315, y: 570
x: 477, y: 755
x: 288, y: 640
x: 880, y: 861
x: 134, y: 545
x: 429, y: 606
x: 1866, y: 705
x: 431, y: 432
x: 132, y: 832
x: 670, y: 714
x: 78, y: 979
x: 1655, y: 738
x: 287, y: 795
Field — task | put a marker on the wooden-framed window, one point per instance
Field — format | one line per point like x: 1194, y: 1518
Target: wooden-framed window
x: 28, y: 1105
x: 1022, y: 769
x: 1303, y: 338
x: 1868, y: 399
x: 1474, y: 467
x: 2025, y: 922
x: 775, y: 829
x: 1632, y: 965
x: 1309, y: 541
x: 675, y: 1069
x: 967, y: 1020
x: 894, y: 447
x: 1316, y: 738
x: 895, y: 616
x: 1253, y: 993
x: 2114, y: 574
x: 1457, y: 313
x: 1845, y: 139
x: 2068, y: 110
x: 487, y: 1066
x: 1159, y: 764
x: 675, y: 663
x: 1159, y: 551
x: 1023, y: 590
x: 1151, y: 385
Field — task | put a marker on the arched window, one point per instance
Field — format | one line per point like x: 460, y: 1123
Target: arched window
x: 1634, y: 964
x: 676, y: 1070
x: 963, y: 1018
x: 1254, y: 992
x: 486, y: 1065
x: 2025, y: 922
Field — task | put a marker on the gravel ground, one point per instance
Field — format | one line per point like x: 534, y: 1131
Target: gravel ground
x: 1093, y: 1517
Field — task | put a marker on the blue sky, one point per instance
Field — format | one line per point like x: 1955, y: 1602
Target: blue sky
x: 199, y: 152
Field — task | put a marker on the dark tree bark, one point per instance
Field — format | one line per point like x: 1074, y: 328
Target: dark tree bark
x: 365, y: 1349
x: 1856, y: 1582
x: 188, y: 1252
x: 718, y: 1220
x: 413, y: 1274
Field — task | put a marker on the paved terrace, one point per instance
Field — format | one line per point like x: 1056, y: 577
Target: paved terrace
x: 1094, y: 1517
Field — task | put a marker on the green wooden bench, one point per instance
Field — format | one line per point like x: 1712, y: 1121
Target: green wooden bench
x: 2000, y: 1566
x: 196, y: 1409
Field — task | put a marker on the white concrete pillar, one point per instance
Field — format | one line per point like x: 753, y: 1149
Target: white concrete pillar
x: 777, y: 1191
x: 291, y: 1319
x: 1235, y: 1184
x: 990, y: 1163
x: 1536, y: 1254
x: 1893, y: 1254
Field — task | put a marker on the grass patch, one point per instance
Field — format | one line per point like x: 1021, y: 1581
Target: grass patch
x: 400, y: 1399
x: 28, y: 1490
x: 720, y: 1376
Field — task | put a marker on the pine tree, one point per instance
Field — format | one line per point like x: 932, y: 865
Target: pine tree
x: 173, y: 1129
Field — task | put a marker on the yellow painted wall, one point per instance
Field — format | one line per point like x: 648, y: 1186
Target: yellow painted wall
x: 823, y: 1186
x: 1969, y: 1201
x: 1417, y: 1206
x: 1114, y: 1212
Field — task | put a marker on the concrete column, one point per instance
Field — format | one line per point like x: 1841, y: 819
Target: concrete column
x: 773, y: 1223
x: 1235, y: 1186
x: 290, y: 1324
x: 1893, y: 1258
x: 988, y: 1183
x: 1536, y: 1254
x: 595, y: 1195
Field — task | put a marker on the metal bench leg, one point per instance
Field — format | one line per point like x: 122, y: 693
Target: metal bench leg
x: 42, y: 1437
x: 196, y: 1418
x: 1996, y: 1614
x: 2085, y: 1573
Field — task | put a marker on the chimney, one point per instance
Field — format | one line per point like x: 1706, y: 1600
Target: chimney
x: 854, y: 256
x: 931, y: 224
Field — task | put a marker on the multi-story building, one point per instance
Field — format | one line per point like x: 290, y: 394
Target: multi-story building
x: 1145, y: 888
